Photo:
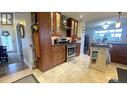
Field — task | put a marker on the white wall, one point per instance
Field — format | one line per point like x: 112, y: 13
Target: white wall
x: 81, y: 34
x: 80, y: 25
x: 25, y: 19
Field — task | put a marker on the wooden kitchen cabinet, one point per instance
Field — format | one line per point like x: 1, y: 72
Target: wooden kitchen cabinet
x: 56, y: 23
x: 44, y: 62
x: 59, y: 54
x: 50, y: 55
x: 73, y: 24
x: 77, y: 49
x: 119, y: 54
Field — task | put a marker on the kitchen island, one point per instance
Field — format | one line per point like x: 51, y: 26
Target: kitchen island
x: 99, y: 56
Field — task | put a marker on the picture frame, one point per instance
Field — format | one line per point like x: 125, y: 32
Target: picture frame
x: 6, y: 18
x: 22, y: 30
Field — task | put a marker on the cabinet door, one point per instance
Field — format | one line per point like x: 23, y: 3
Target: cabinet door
x: 58, y: 54
x: 72, y: 27
x: 77, y: 49
x: 45, y: 60
x: 76, y: 27
x: 73, y: 24
x: 56, y: 21
x: 55, y: 59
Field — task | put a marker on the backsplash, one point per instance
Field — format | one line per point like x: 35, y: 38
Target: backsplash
x: 64, y: 34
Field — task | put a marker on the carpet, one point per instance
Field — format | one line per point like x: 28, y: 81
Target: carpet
x: 27, y: 79
x: 122, y: 75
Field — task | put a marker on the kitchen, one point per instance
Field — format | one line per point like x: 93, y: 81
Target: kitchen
x: 64, y: 46
x: 59, y: 42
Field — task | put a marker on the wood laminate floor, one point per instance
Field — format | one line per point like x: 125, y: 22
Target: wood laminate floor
x: 13, y: 68
x: 69, y: 72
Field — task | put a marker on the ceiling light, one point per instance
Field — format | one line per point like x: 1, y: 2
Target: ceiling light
x: 64, y: 21
x: 81, y: 16
x: 118, y: 24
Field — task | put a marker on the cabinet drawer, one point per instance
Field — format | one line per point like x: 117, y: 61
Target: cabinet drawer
x: 58, y: 48
x: 55, y: 48
x: 55, y: 61
x: 62, y: 59
x: 59, y: 52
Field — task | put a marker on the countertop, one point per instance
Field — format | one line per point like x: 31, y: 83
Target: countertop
x: 65, y: 44
x: 104, y: 46
x: 119, y: 44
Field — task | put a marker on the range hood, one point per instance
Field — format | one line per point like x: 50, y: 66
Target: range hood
x: 64, y: 23
x: 66, y: 28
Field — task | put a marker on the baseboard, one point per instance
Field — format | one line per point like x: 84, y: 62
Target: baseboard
x: 27, y: 63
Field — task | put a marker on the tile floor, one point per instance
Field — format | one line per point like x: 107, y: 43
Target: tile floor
x: 69, y: 72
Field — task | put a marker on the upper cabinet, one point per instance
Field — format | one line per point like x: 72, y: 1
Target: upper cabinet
x: 56, y: 23
x: 73, y: 24
x: 76, y: 27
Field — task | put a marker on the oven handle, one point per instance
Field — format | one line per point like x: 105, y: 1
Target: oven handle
x: 71, y: 47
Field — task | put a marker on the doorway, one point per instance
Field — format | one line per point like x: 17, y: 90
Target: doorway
x: 11, y: 40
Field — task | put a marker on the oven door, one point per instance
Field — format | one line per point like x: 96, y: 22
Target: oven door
x: 71, y: 51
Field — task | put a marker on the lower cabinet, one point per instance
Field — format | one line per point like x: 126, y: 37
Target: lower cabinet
x: 119, y: 54
x: 77, y: 49
x: 59, y: 54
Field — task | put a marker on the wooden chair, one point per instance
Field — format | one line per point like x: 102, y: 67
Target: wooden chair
x: 3, y: 59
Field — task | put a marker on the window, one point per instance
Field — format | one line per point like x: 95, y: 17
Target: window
x: 112, y: 35
x: 6, y: 40
x: 6, y: 18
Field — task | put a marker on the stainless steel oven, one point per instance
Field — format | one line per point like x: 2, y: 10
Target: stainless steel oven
x: 71, y: 52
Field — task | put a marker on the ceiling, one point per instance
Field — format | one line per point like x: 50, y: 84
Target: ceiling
x: 92, y: 19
